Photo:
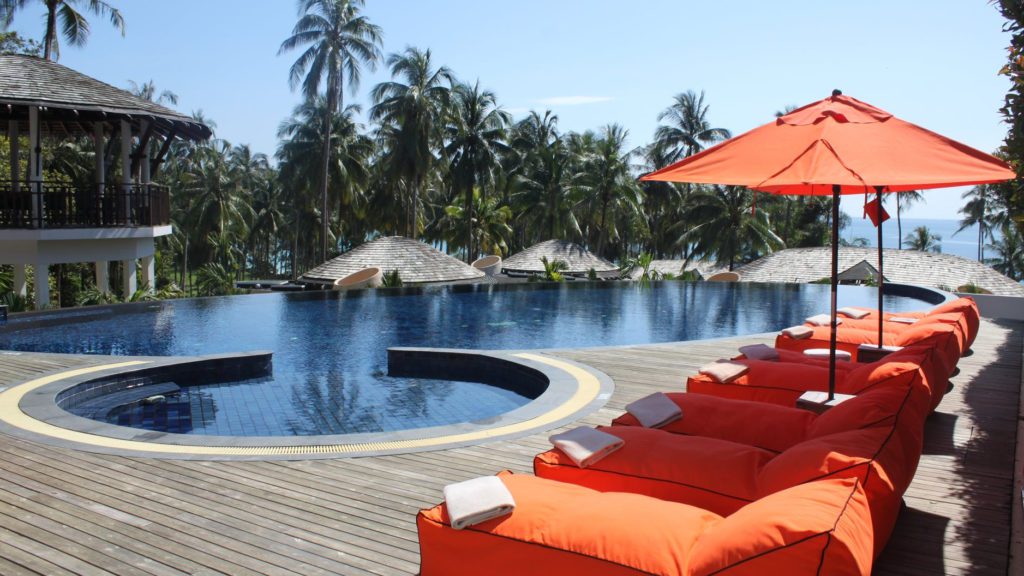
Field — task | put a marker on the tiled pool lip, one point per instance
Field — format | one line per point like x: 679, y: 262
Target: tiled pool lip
x: 29, y: 410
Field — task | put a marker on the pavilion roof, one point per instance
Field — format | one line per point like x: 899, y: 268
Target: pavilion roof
x: 416, y: 262
x: 73, y: 101
x: 578, y: 259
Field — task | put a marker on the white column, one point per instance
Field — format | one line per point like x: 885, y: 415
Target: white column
x: 130, y: 285
x: 42, y: 277
x: 148, y: 265
x: 20, y: 284
x: 35, y: 164
x: 126, y: 168
x: 103, y: 277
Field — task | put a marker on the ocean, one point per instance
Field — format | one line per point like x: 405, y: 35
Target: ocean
x: 964, y: 244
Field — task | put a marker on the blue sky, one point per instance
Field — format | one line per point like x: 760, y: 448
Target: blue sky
x: 591, y: 62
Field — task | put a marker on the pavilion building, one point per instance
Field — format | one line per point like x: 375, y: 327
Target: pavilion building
x: 117, y: 218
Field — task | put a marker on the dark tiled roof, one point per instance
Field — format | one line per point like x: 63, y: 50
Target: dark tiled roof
x: 71, y: 96
x: 900, y: 266
x: 416, y: 262
x: 580, y: 260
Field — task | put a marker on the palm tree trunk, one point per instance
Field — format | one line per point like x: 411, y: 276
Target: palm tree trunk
x: 899, y: 223
x: 51, y: 28
x: 469, y: 226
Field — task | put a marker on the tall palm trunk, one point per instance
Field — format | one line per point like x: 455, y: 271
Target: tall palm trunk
x: 899, y: 223
x: 51, y: 28
x: 469, y: 225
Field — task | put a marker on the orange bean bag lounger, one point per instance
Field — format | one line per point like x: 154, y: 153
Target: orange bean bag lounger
x: 876, y: 437
x: 964, y: 306
x: 945, y: 338
x: 954, y: 319
x: 557, y: 528
x: 783, y: 383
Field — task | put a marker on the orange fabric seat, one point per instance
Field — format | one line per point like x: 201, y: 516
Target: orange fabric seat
x: 965, y: 306
x: 957, y: 320
x: 876, y: 437
x: 940, y: 335
x: 557, y: 528
x: 783, y: 382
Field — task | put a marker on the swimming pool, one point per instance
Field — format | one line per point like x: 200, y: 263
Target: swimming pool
x: 330, y: 348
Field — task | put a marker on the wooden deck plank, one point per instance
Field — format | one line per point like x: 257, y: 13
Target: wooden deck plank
x: 70, y: 512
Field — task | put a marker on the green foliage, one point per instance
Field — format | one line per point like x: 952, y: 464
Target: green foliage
x: 592, y: 275
x: 1013, y: 108
x: 12, y: 43
x: 391, y: 279
x: 553, y: 269
x: 92, y: 296
x: 923, y: 240
x: 15, y: 302
x: 213, y: 279
x: 972, y: 288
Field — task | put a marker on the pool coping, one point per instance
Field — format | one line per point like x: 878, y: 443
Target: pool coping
x: 29, y: 409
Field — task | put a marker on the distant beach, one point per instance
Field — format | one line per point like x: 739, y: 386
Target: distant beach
x: 964, y: 244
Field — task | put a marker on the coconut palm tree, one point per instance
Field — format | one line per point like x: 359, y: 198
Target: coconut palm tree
x: 923, y: 240
x: 411, y: 109
x: 607, y: 183
x: 475, y: 132
x: 905, y: 200
x: 985, y: 210
x: 725, y: 227
x: 546, y: 191
x: 148, y: 91
x: 688, y: 129
x: 663, y: 201
x: 1010, y: 250
x: 340, y: 41
x: 74, y: 27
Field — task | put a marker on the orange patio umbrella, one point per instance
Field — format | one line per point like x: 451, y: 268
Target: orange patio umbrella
x: 836, y: 146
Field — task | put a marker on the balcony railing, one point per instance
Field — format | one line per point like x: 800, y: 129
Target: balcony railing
x: 55, y: 205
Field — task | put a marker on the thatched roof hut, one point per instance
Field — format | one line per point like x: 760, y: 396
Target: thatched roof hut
x: 579, y: 260
x: 416, y: 262
x: 936, y: 270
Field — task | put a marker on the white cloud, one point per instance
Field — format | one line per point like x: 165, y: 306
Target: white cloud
x: 572, y: 100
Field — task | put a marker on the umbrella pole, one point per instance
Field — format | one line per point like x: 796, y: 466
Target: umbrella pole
x: 881, y: 276
x: 835, y: 289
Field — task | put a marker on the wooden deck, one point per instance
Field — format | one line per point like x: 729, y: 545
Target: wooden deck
x: 70, y: 512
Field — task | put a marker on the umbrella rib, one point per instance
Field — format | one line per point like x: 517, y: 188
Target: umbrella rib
x: 804, y: 153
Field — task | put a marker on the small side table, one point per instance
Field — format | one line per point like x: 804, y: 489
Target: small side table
x: 818, y: 402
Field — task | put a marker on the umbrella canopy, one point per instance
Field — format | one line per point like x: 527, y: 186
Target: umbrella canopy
x: 836, y: 146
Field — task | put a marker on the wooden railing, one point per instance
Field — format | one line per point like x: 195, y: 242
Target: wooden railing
x: 55, y: 205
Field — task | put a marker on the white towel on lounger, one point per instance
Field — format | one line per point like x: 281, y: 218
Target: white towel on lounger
x: 654, y: 410
x: 724, y: 371
x: 902, y: 319
x: 855, y: 313
x: 822, y: 320
x: 585, y: 446
x: 477, y: 500
x: 798, y: 332
x: 759, y: 352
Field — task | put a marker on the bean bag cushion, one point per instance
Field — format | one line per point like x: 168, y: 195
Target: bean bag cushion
x: 877, y: 437
x: 965, y: 306
x: 557, y: 528
x: 956, y: 320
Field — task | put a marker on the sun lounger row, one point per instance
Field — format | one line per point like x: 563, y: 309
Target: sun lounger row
x: 733, y: 480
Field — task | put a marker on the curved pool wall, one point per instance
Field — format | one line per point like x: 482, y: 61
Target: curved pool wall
x: 330, y: 348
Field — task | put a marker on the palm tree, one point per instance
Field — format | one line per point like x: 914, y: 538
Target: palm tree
x: 607, y: 182
x: 726, y: 227
x: 475, y: 133
x: 923, y: 240
x: 1010, y: 248
x: 984, y: 211
x: 147, y: 91
x: 489, y: 225
x: 300, y: 154
x: 74, y: 27
x: 663, y: 201
x: 545, y: 197
x: 340, y: 41
x: 906, y: 200
x: 411, y: 116
x: 688, y: 129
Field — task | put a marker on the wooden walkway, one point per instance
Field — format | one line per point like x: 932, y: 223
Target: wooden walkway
x: 70, y: 512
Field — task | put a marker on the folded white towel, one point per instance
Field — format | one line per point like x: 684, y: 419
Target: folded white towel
x: 798, y: 332
x: 655, y: 410
x: 724, y: 371
x: 477, y: 500
x: 585, y: 446
x: 855, y: 313
x: 902, y: 319
x: 822, y: 320
x: 759, y: 352
x: 823, y: 354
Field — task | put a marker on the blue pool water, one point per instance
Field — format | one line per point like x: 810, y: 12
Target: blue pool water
x: 330, y: 348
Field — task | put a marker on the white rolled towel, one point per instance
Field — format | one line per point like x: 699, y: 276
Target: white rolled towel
x: 724, y: 371
x: 825, y: 353
x: 902, y: 319
x: 855, y: 313
x: 822, y: 320
x: 798, y: 332
x: 655, y: 410
x: 585, y: 446
x: 477, y: 500
x: 759, y: 352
